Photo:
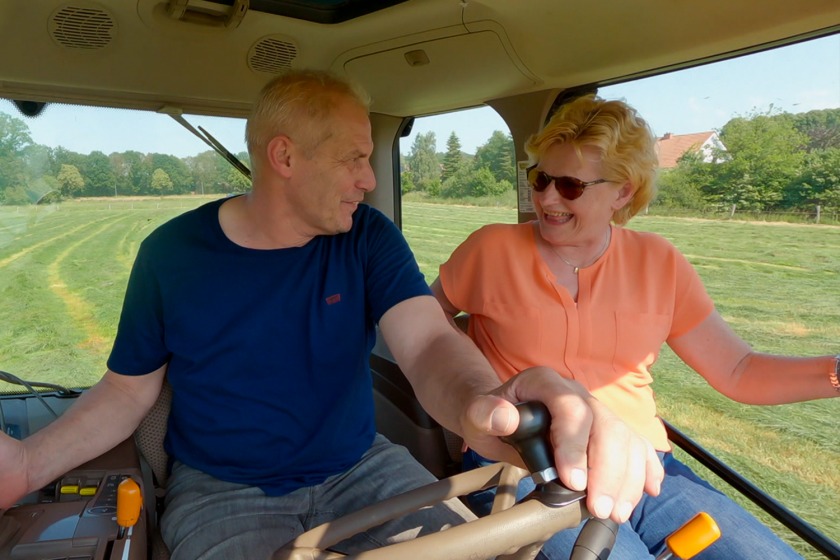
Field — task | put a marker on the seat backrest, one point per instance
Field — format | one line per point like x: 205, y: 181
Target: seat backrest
x: 151, y: 431
x: 401, y: 418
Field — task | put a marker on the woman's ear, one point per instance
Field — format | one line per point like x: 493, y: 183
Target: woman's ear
x: 279, y: 155
x: 623, y: 195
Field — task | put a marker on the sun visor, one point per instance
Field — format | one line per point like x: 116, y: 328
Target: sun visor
x: 448, y: 72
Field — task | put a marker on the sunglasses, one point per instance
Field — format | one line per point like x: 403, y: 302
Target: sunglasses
x: 569, y: 188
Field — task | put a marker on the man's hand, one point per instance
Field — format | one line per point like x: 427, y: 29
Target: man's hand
x: 593, y: 447
x: 14, y: 481
x: 102, y: 417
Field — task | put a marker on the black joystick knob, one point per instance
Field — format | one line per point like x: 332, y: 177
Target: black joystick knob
x: 532, y: 441
x: 596, y: 540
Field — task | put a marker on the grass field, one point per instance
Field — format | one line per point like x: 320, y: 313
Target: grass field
x: 63, y: 273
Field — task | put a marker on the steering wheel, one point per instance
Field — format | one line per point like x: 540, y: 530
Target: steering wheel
x: 512, y: 531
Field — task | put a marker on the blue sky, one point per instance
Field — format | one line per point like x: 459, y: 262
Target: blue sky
x: 797, y: 78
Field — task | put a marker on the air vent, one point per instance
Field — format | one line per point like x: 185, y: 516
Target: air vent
x: 82, y: 27
x: 273, y: 54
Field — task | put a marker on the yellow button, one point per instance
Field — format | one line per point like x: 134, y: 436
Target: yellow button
x: 70, y: 489
x: 89, y: 491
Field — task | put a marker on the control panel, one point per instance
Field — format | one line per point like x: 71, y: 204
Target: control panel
x: 75, y: 517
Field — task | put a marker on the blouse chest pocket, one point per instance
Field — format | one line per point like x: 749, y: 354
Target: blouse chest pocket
x: 639, y: 337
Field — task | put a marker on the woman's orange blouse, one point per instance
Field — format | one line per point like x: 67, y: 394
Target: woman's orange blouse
x: 638, y: 294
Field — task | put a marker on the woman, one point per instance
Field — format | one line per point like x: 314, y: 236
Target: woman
x: 595, y: 302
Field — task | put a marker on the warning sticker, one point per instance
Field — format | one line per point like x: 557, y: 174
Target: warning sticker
x: 526, y: 202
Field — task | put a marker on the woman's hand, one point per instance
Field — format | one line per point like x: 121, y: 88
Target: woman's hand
x: 593, y: 448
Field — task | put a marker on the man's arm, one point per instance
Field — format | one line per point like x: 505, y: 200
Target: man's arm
x: 731, y: 366
x: 101, y: 418
x: 457, y: 386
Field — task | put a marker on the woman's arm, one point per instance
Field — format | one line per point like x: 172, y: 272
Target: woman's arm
x: 732, y: 367
x: 448, y: 309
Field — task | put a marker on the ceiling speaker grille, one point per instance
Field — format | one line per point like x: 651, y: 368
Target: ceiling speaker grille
x: 79, y: 27
x: 272, y: 54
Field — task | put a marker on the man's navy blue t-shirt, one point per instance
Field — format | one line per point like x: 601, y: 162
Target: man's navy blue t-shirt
x: 267, y: 349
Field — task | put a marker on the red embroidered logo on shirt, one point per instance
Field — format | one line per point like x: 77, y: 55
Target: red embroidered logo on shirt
x: 334, y: 299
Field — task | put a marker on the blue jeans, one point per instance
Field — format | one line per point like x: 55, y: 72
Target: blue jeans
x: 206, y: 518
x: 683, y: 495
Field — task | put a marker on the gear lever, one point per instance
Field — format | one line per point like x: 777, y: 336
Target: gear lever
x: 129, y: 503
x: 531, y: 441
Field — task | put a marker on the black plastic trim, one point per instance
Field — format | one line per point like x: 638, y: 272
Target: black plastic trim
x: 390, y: 382
x: 403, y: 131
x: 311, y: 11
x: 29, y: 108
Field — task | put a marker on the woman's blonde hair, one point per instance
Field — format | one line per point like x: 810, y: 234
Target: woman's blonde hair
x: 298, y: 104
x: 626, y: 144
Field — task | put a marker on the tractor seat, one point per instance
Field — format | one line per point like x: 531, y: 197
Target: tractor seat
x: 149, y: 437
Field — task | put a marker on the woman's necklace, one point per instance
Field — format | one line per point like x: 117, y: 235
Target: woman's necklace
x: 598, y: 256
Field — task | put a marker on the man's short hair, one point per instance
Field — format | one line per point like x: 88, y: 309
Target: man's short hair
x: 298, y: 104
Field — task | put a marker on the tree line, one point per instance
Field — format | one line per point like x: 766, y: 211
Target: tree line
x: 771, y: 161
x: 768, y: 161
x: 31, y: 172
x: 455, y: 174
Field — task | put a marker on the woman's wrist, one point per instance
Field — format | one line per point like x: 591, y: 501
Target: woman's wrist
x: 834, y: 376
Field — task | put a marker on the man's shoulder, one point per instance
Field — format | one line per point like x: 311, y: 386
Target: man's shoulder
x: 368, y: 224
x: 367, y: 216
x: 185, y: 225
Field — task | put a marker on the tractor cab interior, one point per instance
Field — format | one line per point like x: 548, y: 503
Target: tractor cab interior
x: 195, y: 58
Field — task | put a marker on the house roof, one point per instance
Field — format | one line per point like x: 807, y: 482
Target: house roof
x: 671, y: 146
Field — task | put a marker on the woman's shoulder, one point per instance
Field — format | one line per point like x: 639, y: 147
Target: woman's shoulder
x: 491, y: 245
x: 496, y: 234
x: 645, y: 241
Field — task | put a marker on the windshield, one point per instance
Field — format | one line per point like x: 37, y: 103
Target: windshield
x: 80, y: 187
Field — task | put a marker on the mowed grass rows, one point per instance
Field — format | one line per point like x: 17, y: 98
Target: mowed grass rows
x: 63, y: 274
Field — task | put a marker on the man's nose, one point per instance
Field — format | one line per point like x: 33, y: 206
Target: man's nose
x: 367, y: 180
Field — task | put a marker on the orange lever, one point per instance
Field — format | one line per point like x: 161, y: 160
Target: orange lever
x: 129, y: 502
x: 693, y: 537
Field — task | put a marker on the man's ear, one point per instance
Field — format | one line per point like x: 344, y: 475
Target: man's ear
x: 623, y: 195
x: 279, y: 155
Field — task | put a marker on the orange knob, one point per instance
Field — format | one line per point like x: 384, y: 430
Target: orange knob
x: 693, y: 537
x: 129, y: 502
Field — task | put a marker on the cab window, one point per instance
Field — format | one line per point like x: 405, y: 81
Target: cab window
x: 749, y: 191
x: 80, y: 188
x: 457, y: 173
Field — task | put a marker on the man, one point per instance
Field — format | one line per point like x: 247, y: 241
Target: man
x: 261, y: 311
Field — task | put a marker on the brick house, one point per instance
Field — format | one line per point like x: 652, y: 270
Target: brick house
x: 672, y: 146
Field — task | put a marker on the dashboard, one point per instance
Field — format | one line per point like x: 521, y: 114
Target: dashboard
x: 75, y: 516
